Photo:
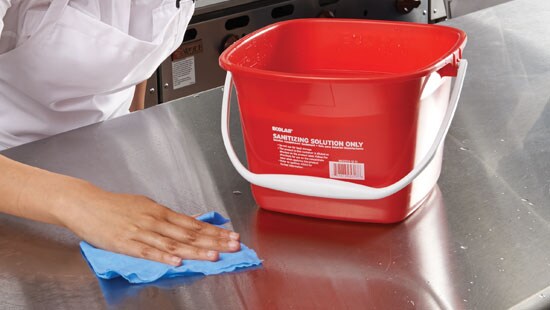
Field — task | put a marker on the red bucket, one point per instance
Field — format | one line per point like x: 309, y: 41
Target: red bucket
x: 344, y: 119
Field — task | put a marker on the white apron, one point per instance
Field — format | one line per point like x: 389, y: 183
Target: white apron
x: 76, y: 70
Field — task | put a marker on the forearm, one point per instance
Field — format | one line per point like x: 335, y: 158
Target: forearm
x: 138, y: 103
x: 34, y: 193
x: 128, y: 224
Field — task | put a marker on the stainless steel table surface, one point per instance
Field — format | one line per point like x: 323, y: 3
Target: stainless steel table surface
x: 480, y: 242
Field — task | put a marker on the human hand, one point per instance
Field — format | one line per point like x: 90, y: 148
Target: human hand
x: 139, y: 227
x: 127, y: 224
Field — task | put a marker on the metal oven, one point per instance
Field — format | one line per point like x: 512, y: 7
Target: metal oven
x: 193, y: 67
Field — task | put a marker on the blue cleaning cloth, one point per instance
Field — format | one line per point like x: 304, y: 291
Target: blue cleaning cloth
x: 108, y: 265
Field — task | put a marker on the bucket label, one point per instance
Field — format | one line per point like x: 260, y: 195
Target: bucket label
x: 299, y: 157
x: 304, y: 152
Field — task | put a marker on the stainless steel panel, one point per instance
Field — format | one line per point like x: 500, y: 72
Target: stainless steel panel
x: 462, y: 7
x: 438, y: 10
x: 151, y: 91
x: 207, y: 6
x: 212, y: 32
x: 480, y: 242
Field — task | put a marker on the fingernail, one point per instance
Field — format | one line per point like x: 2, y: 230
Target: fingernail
x: 233, y: 244
x: 176, y: 260
x: 234, y: 236
x: 211, y: 254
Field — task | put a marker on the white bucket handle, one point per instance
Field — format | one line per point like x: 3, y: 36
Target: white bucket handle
x: 329, y: 188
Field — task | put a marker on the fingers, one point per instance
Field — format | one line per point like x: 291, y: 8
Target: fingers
x: 139, y: 227
x: 173, y: 248
x: 141, y: 250
x: 200, y: 227
x: 197, y: 238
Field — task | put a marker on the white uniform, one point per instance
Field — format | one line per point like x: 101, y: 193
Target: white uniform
x: 69, y: 63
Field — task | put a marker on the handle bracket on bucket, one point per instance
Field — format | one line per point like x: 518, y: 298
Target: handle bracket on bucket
x: 329, y: 188
x: 451, y: 68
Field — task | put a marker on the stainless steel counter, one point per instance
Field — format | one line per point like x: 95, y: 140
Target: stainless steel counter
x: 480, y: 242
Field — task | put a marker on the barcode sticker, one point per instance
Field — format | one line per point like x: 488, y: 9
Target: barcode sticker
x: 345, y: 170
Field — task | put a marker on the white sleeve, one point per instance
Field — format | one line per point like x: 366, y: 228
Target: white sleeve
x: 4, y: 6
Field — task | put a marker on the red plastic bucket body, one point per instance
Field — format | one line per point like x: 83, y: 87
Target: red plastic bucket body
x: 347, y: 100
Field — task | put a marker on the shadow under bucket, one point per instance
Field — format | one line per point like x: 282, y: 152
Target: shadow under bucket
x: 344, y: 119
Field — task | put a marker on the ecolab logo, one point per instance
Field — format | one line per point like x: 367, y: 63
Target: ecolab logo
x: 279, y: 129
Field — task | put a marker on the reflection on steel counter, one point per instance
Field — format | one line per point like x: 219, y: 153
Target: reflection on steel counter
x: 375, y: 266
x: 369, y: 265
x: 194, y: 66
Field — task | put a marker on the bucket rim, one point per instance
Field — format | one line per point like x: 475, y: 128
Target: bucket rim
x: 452, y: 56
